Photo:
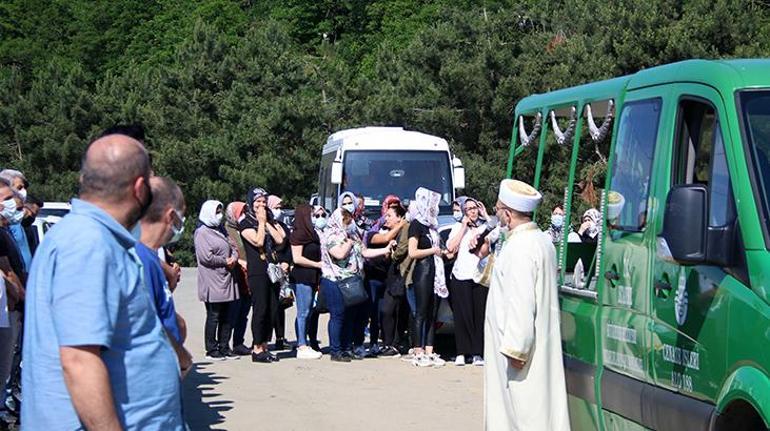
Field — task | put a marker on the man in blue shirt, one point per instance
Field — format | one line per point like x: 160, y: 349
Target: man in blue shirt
x: 95, y: 353
x: 163, y: 224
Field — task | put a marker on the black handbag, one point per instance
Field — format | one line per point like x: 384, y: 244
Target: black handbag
x: 353, y: 292
x: 394, y: 282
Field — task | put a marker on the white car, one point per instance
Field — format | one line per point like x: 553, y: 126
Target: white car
x: 50, y: 214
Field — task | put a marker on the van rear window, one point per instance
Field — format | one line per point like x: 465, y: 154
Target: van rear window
x: 632, y: 164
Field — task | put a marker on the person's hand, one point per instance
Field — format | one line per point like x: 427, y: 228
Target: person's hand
x: 261, y: 215
x: 473, y: 242
x: 483, y: 211
x: 584, y: 226
x: 392, y: 244
x: 515, y: 363
x: 285, y: 267
x: 437, y: 251
x: 466, y: 221
x: 231, y: 262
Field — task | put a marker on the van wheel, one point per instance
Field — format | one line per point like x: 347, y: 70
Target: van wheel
x: 740, y: 415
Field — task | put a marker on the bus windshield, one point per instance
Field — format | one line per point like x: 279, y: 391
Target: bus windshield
x: 376, y: 174
x: 756, y: 123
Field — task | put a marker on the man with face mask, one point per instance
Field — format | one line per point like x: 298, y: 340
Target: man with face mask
x: 524, y: 377
x: 92, y: 337
x: 31, y: 210
x: 15, y: 214
x: 163, y: 224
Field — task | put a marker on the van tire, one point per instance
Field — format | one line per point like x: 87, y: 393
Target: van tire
x: 740, y: 416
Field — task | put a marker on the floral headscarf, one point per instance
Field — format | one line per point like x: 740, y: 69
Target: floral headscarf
x: 426, y: 209
x: 596, y: 221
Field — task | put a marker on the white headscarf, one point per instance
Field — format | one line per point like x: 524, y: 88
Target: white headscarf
x: 208, y: 214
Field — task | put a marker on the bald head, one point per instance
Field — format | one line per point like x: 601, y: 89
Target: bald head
x: 110, y: 167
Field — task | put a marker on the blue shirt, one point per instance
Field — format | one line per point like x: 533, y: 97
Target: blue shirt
x: 20, y: 238
x: 159, y: 291
x: 86, y: 289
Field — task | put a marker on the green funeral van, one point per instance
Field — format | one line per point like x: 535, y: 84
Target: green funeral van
x: 665, y: 318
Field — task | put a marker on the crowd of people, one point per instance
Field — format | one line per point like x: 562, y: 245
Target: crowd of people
x: 104, y: 347
x: 382, y: 277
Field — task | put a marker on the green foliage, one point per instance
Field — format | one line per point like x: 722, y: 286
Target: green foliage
x: 241, y: 93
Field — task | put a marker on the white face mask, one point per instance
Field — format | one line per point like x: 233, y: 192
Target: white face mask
x: 349, y: 208
x: 8, y: 210
x: 458, y: 215
x: 17, y: 217
x: 276, y: 212
x: 557, y: 220
x: 23, y: 194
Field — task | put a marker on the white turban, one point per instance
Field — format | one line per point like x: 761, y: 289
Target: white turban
x: 519, y: 196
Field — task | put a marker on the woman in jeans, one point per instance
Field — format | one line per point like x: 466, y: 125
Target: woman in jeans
x: 469, y: 299
x: 261, y: 236
x: 427, y: 277
x: 342, y: 257
x: 306, y: 252
x: 216, y: 258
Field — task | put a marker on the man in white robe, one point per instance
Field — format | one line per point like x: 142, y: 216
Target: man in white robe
x: 524, y: 374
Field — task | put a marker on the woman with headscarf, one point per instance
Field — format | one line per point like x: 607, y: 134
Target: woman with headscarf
x: 469, y: 299
x: 261, y: 235
x: 239, y: 314
x: 428, y: 275
x: 342, y: 258
x: 592, y: 224
x: 306, y: 251
x: 284, y: 258
x: 216, y: 257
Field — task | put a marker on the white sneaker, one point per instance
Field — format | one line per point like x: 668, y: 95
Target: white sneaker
x: 436, y: 360
x: 409, y: 357
x: 422, y: 360
x: 460, y: 360
x: 308, y: 353
x: 478, y: 361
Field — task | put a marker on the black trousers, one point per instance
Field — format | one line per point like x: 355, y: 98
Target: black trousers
x: 425, y: 303
x: 239, y: 318
x: 395, y: 318
x: 217, y: 329
x: 469, y: 302
x: 280, y: 323
x: 264, y: 302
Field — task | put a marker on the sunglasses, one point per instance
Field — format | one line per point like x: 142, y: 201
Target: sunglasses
x: 319, y: 215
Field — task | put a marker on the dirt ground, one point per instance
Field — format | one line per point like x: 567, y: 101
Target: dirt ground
x: 373, y: 394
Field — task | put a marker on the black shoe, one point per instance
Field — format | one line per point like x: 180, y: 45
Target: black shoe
x: 215, y: 355
x: 315, y: 345
x: 262, y: 357
x: 353, y: 355
x: 272, y: 357
x: 340, y: 357
x: 242, y: 350
x: 280, y: 344
x: 229, y: 354
x: 389, y: 352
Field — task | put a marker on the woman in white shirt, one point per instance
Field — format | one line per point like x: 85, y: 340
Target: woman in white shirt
x: 468, y: 298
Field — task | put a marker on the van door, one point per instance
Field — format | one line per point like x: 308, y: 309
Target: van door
x: 627, y: 256
x: 690, y: 304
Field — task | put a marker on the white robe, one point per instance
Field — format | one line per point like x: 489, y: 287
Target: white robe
x: 522, y: 322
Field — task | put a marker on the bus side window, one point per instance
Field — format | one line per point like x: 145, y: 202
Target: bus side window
x: 632, y: 167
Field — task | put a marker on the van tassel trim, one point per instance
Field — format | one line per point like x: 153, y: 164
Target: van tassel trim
x: 567, y: 135
x: 598, y: 134
x: 525, y: 138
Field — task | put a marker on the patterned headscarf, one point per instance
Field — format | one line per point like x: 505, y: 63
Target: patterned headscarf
x: 335, y: 233
x: 234, y: 212
x: 596, y: 221
x: 273, y: 201
x: 427, y: 207
x: 254, y: 194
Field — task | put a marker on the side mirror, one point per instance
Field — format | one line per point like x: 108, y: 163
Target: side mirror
x: 686, y: 231
x: 685, y: 223
x: 458, y: 173
x: 336, y: 175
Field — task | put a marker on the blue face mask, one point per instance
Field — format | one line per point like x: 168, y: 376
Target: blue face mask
x: 177, y: 231
x: 557, y: 220
x: 349, y: 208
x: 17, y: 217
x: 319, y: 223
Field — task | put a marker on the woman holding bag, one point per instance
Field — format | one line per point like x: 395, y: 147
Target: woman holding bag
x: 342, y: 260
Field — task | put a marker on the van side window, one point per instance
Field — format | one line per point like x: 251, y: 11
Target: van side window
x: 632, y: 164
x: 700, y: 158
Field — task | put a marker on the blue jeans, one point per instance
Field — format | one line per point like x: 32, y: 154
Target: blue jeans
x: 412, y: 300
x: 339, y: 339
x: 376, y: 290
x: 304, y: 295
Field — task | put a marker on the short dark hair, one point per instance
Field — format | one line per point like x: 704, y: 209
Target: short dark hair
x: 110, y: 181
x: 399, y: 210
x: 34, y: 200
x: 134, y: 130
x: 165, y: 193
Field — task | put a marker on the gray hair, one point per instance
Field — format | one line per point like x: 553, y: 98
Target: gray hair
x: 165, y: 194
x: 11, y: 174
